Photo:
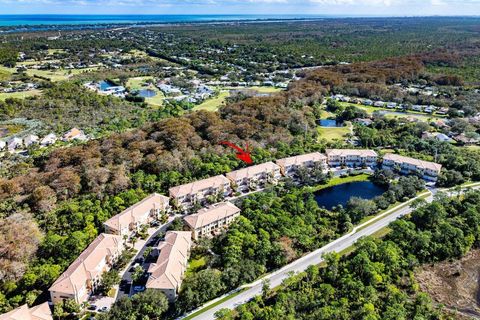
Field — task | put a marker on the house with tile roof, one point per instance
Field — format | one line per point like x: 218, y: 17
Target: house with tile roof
x: 406, y: 165
x: 74, y: 134
x: 131, y: 219
x: 40, y: 312
x: 167, y: 273
x: 353, y: 158
x: 291, y: 166
x: 208, y: 222
x: 187, y: 195
x: 255, y: 177
x: 83, y: 276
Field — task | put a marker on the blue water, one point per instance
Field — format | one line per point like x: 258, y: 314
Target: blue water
x: 328, y: 123
x: 49, y: 19
x: 339, y: 195
x: 104, y: 85
x: 147, y: 93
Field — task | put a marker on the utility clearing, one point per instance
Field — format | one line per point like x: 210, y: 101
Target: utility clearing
x: 455, y: 284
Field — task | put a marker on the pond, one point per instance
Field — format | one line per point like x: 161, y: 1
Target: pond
x: 104, y: 85
x: 328, y: 123
x: 340, y: 194
x: 147, y: 93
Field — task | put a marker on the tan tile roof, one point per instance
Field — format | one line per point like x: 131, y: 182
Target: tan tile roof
x: 351, y: 152
x: 171, y: 264
x: 298, y: 160
x: 85, y: 267
x: 252, y: 171
x: 72, y: 133
x: 412, y: 161
x: 214, y: 213
x: 40, y: 312
x: 135, y: 212
x: 195, y: 187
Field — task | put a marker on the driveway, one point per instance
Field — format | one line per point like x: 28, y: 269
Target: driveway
x: 125, y: 288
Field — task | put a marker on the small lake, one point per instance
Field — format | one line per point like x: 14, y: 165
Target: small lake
x: 328, y: 123
x: 104, y: 85
x: 340, y: 194
x: 147, y: 93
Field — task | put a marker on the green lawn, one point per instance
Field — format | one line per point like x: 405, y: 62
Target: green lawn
x: 333, y: 133
x: 59, y: 74
x: 213, y: 104
x: 137, y: 84
x: 341, y: 180
x: 390, y: 114
x: 195, y: 265
x: 213, y: 305
x: 19, y: 95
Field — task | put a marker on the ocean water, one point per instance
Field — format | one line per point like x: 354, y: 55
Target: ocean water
x: 43, y: 20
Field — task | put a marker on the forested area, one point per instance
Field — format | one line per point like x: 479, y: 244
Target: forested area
x: 67, y: 194
x: 376, y: 280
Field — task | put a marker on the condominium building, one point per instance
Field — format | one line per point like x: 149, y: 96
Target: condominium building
x: 83, y: 276
x: 40, y: 312
x: 141, y: 213
x: 353, y: 158
x: 406, y: 165
x: 168, y: 272
x: 291, y: 166
x: 210, y: 221
x: 255, y: 177
x: 197, y: 192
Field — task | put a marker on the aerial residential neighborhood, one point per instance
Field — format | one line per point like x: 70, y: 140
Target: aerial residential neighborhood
x: 233, y: 160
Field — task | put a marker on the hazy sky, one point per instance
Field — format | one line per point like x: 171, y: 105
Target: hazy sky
x: 333, y: 7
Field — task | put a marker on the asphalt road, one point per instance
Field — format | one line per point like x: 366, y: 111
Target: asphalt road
x: 127, y: 276
x: 313, y: 258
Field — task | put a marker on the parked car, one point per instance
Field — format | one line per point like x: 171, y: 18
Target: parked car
x: 92, y: 307
x: 103, y: 309
x: 139, y: 288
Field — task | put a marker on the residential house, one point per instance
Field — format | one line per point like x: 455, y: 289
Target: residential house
x: 290, y: 167
x: 74, y: 134
x: 351, y: 158
x: 84, y: 275
x: 417, y: 108
x: 363, y: 121
x: 255, y: 177
x: 168, y: 272
x: 406, y: 165
x: 391, y: 105
x: 141, y: 213
x: 40, y: 312
x: 48, y: 140
x: 3, y: 144
x: 187, y: 195
x: 429, y: 109
x: 14, y: 143
x: 379, y: 104
x: 469, y: 140
x: 437, y: 136
x: 30, y: 139
x: 367, y: 102
x: 210, y: 221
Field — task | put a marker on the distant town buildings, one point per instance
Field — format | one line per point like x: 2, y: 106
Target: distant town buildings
x: 352, y: 158
x: 406, y: 165
x: 209, y: 221
x: 131, y: 219
x: 84, y: 275
x: 167, y: 273
x: 40, y: 312
x: 254, y: 177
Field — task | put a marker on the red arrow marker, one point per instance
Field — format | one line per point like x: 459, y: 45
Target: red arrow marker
x: 243, y: 155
